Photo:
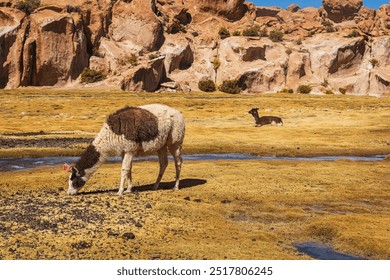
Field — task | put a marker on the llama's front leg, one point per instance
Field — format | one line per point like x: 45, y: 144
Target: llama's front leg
x: 176, y: 153
x: 126, y: 169
x: 163, y: 160
x: 129, y: 179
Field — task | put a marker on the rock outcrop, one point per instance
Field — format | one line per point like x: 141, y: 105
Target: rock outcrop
x: 147, y: 45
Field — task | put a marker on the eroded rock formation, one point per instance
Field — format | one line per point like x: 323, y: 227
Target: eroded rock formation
x: 141, y: 45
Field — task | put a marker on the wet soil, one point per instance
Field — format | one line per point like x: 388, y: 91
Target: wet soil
x: 7, y: 143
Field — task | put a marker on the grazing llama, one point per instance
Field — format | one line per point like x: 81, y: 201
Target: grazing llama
x: 260, y: 121
x: 132, y: 132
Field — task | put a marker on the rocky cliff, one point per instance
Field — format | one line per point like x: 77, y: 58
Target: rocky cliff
x: 151, y: 45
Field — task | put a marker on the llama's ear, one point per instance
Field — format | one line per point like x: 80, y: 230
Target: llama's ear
x: 67, y: 167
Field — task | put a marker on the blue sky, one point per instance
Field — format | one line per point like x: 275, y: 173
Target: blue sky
x: 373, y: 4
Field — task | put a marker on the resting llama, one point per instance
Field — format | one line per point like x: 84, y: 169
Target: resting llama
x: 132, y: 132
x: 260, y: 121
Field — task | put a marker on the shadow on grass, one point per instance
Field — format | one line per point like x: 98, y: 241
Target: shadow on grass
x: 185, y: 183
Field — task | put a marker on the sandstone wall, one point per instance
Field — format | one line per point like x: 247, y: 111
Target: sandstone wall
x: 146, y: 45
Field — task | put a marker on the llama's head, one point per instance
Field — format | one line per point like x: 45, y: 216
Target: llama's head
x: 253, y: 111
x: 76, y: 180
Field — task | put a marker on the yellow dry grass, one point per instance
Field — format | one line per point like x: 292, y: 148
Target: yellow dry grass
x: 225, y: 209
x: 216, y: 122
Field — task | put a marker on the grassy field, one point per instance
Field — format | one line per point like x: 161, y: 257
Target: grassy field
x: 225, y: 209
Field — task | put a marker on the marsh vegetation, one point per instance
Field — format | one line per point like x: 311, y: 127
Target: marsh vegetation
x: 225, y: 209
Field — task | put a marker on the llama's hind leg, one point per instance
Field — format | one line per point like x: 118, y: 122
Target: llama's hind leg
x: 163, y: 160
x: 125, y: 172
x: 176, y: 153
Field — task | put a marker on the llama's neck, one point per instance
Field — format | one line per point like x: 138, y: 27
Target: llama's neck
x: 89, y: 162
x: 256, y: 116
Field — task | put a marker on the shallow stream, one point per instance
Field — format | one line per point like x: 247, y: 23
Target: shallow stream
x: 13, y: 164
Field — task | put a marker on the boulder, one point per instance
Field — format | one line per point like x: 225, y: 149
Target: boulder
x: 56, y: 49
x: 178, y: 55
x: 232, y: 10
x: 12, y: 32
x: 340, y: 10
x: 145, y: 77
x: 293, y: 8
x: 135, y: 22
x: 267, y: 11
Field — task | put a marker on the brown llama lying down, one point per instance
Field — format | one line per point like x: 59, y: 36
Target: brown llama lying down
x: 260, y: 121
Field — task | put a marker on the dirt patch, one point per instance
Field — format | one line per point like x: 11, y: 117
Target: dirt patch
x: 8, y: 143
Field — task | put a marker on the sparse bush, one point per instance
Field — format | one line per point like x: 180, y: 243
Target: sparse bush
x: 310, y: 34
x: 304, y: 89
x: 284, y: 66
x: 327, y: 23
x: 388, y: 25
x: 342, y: 90
x: 374, y: 62
x: 330, y: 29
x: 325, y: 83
x: 251, y: 31
x: 131, y: 59
x: 286, y: 90
x: 28, y: 6
x: 288, y: 51
x: 263, y: 33
x: 216, y: 63
x: 91, y: 76
x: 223, y: 33
x: 299, y: 42
x: 153, y: 56
x: 206, y: 85
x: 73, y: 9
x: 237, y: 33
x: 328, y: 91
x: 230, y: 86
x: 353, y: 34
x: 276, y: 36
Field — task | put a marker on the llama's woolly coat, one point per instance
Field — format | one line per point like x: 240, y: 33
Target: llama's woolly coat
x: 131, y: 132
x: 170, y: 125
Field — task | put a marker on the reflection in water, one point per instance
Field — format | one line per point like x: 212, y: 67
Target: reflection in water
x: 323, y: 252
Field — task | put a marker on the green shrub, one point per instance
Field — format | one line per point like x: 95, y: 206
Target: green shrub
x: 91, y: 76
x: 237, y: 33
x: 342, y: 90
x: 230, y: 86
x: 286, y: 90
x: 28, y: 6
x: 304, y: 89
x: 328, y: 91
x: 276, y: 36
x: 206, y: 85
x: 251, y: 31
x: 223, y: 33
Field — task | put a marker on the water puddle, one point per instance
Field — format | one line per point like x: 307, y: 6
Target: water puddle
x: 323, y: 252
x: 13, y: 164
